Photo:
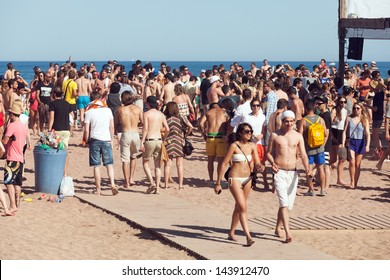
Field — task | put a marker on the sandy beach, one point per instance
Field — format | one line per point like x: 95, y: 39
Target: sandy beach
x: 76, y: 230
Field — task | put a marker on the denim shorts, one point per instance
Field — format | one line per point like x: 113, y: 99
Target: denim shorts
x: 100, y: 150
x: 317, y: 159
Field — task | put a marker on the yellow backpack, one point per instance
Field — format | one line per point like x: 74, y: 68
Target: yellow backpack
x: 315, y: 134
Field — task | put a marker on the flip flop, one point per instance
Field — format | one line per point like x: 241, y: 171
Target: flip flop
x: 114, y: 191
x: 288, y: 240
x: 231, y: 238
x: 9, y: 214
x: 151, y: 189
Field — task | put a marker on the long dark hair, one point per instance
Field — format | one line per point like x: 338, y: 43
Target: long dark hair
x: 240, y: 129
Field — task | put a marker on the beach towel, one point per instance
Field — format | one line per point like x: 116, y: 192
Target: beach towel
x: 98, y: 103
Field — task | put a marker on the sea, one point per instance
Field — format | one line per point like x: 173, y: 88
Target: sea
x: 26, y: 67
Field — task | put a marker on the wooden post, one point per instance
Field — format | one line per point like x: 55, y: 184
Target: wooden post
x: 341, y: 34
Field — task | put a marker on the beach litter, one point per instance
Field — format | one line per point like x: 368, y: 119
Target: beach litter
x: 56, y: 199
x: 50, y: 140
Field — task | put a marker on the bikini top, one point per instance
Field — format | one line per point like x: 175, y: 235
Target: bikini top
x: 241, y: 157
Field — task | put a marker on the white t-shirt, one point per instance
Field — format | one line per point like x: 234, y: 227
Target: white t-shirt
x: 256, y: 122
x: 99, y: 120
x: 241, y: 111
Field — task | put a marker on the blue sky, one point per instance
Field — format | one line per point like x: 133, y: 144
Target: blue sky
x: 247, y: 30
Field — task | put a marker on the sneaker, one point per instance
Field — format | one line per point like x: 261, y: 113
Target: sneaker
x: 310, y: 193
x: 322, y: 193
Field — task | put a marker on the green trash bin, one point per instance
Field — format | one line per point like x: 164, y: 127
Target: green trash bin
x: 49, y: 169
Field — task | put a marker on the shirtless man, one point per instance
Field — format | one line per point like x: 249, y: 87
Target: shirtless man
x: 84, y: 88
x: 275, y: 121
x: 216, y: 119
x: 283, y: 147
x: 154, y: 122
x: 278, y: 90
x: 97, y: 84
x: 11, y: 94
x: 215, y: 91
x: 106, y: 81
x: 296, y: 105
x: 10, y: 73
x: 128, y: 117
x: 168, y: 92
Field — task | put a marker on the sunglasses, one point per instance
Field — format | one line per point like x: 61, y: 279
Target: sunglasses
x: 357, y: 108
x: 247, y: 131
x: 343, y: 102
x: 320, y: 103
x: 256, y: 105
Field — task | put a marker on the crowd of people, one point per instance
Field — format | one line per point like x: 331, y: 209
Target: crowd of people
x: 246, y: 117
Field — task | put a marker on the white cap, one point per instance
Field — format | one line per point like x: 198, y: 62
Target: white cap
x: 288, y: 114
x: 214, y: 79
x: 373, y: 62
x: 202, y: 71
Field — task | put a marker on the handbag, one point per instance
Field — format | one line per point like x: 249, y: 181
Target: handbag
x: 226, y: 175
x: 187, y: 147
x: 67, y: 187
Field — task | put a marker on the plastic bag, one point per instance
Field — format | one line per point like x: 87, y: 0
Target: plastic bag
x: 67, y: 188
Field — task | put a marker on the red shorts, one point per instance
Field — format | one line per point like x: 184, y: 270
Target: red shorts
x: 261, y: 153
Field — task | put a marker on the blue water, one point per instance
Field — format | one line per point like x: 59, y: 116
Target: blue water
x: 26, y: 67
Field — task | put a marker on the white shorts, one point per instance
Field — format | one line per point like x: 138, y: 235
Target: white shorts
x: 286, y: 183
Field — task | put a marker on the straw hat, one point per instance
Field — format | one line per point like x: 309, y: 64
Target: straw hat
x: 377, y: 86
x: 16, y: 107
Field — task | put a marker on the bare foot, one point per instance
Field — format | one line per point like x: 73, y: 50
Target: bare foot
x: 12, y: 210
x: 181, y: 188
x: 378, y: 166
x: 131, y: 183
x: 340, y: 183
x: 170, y: 180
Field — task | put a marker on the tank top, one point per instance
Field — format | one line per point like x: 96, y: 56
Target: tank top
x: 355, y: 132
x: 339, y: 124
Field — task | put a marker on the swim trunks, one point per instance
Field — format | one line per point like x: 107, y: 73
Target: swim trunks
x: 216, y: 147
x: 83, y: 101
x: 286, y: 183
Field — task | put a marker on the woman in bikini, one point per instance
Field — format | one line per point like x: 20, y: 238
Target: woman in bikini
x: 242, y: 153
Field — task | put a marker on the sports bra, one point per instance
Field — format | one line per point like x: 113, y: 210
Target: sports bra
x: 241, y: 158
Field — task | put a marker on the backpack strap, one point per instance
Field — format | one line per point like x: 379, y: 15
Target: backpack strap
x: 308, y: 121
